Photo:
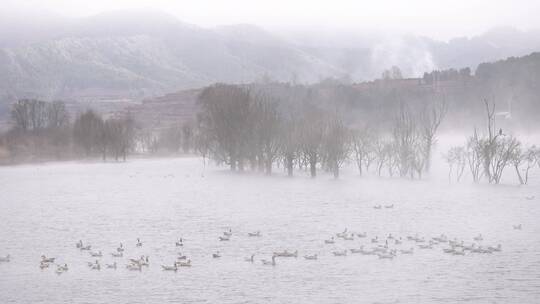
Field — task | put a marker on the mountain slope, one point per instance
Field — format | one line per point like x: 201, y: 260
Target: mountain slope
x: 143, y: 54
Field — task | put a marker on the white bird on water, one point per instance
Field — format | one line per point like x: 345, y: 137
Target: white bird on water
x: 250, y: 259
x: 272, y: 262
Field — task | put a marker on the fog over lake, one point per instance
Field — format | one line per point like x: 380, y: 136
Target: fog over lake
x: 47, y: 208
x: 238, y: 152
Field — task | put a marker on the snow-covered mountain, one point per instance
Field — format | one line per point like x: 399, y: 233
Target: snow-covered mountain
x: 140, y: 54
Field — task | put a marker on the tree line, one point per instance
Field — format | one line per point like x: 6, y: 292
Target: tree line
x: 247, y: 128
x: 287, y: 127
x: 44, y: 131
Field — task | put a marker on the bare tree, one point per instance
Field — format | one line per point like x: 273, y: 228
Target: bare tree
x: 311, y: 133
x: 187, y: 137
x: 430, y: 120
x: 267, y: 129
x: 362, y: 144
x: 290, y: 145
x: 57, y: 115
x: 335, y: 144
x: 523, y: 161
x: 405, y: 138
x: 456, y: 158
x: 29, y: 114
x: 474, y: 157
x: 88, y: 132
x: 224, y: 118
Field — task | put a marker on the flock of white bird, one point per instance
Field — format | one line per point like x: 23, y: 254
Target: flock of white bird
x: 384, y: 248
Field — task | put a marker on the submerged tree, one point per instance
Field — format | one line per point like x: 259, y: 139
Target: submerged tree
x: 430, y: 120
x: 88, y: 132
x: 523, y: 161
x: 456, y: 158
x: 335, y: 145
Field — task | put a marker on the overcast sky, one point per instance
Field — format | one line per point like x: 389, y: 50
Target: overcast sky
x: 435, y: 18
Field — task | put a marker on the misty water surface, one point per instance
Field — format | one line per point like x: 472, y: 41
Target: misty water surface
x: 46, y: 209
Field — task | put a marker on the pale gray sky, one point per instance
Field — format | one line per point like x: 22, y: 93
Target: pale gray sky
x: 435, y: 18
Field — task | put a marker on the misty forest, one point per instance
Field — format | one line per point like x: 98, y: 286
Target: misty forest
x: 235, y: 164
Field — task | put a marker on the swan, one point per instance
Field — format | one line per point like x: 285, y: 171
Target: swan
x: 216, y: 255
x: 138, y: 261
x: 286, y: 254
x: 272, y: 262
x: 458, y: 252
x: 144, y: 261
x: 330, y: 241
x: 111, y: 266
x: 184, y: 264
x: 478, y: 237
x: 377, y: 207
x: 228, y: 233
x: 496, y: 249
x: 139, y: 244
x: 389, y: 206
x: 62, y: 267
x: 349, y: 237
x: 224, y: 238
x: 254, y: 234
x: 375, y: 240
x: 470, y: 247
x: 87, y: 247
x: 342, y: 234
x: 134, y: 267
x: 359, y: 250
x: 5, y: 259
x: 120, y: 248
x: 44, y: 259
x: 180, y: 243
x: 405, y: 251
x: 181, y: 256
x: 441, y: 239
x: 480, y: 250
x: 340, y: 253
x: 361, y: 235
x: 96, y: 254
x: 385, y: 256
x: 367, y: 252
x: 250, y: 259
x: 96, y: 266
x: 310, y: 257
x: 291, y: 254
x: 426, y: 246
x: 517, y: 227
x: 43, y: 265
x: 449, y: 250
x: 117, y: 254
x: 170, y: 268
x: 380, y: 248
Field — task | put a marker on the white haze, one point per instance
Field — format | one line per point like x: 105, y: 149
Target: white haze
x: 437, y: 19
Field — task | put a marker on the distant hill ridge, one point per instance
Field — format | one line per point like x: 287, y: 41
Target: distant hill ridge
x: 136, y: 55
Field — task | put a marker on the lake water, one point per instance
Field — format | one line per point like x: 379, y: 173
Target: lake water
x: 46, y: 209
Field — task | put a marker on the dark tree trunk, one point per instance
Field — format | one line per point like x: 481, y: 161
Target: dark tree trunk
x: 313, y: 166
x: 289, y: 165
x: 268, y: 167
